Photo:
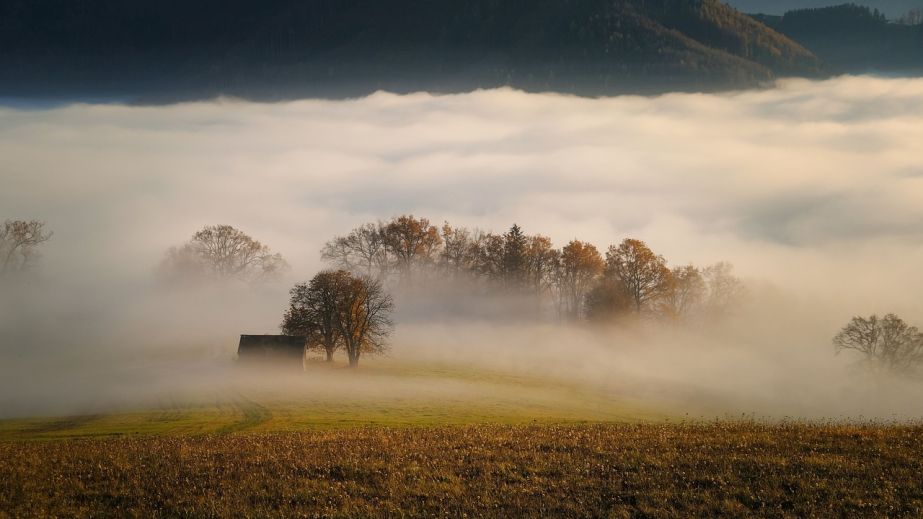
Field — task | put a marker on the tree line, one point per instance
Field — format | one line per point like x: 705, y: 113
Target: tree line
x: 349, y: 307
x: 575, y: 281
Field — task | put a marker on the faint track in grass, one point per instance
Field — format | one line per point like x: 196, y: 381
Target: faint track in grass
x: 254, y: 415
x: 62, y: 425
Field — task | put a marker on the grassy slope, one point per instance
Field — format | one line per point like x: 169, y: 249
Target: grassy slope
x: 382, y: 392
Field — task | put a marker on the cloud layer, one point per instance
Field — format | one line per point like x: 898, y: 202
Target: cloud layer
x: 811, y: 188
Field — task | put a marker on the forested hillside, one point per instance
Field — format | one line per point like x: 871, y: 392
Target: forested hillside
x: 174, y: 49
x: 891, y: 8
x: 853, y: 38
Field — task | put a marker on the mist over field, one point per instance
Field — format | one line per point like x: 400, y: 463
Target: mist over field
x: 811, y: 189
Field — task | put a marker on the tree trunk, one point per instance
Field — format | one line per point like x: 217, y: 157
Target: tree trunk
x: 329, y: 355
x: 353, y: 354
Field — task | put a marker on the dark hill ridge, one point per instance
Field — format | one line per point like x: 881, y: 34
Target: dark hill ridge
x: 891, y: 8
x: 275, y: 49
x: 853, y: 38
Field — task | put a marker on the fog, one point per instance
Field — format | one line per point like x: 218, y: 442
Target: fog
x: 812, y: 190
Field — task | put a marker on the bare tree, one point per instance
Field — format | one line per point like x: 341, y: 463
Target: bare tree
x: 643, y: 274
x: 363, y: 250
x: 19, y: 241
x: 312, y: 312
x: 888, y: 341
x: 457, y: 257
x: 363, y: 316
x: 724, y: 290
x: 579, y: 267
x: 225, y: 253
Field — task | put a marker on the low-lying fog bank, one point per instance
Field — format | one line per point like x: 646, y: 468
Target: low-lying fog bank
x: 811, y: 189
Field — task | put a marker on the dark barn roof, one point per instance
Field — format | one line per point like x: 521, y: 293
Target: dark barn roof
x: 271, y: 347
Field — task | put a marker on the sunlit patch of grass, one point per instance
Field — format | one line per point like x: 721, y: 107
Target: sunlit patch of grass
x: 388, y: 393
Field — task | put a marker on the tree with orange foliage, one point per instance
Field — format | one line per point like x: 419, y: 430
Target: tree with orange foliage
x: 579, y: 267
x: 643, y: 274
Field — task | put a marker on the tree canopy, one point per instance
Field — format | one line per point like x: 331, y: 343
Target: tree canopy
x: 887, y: 341
x: 19, y: 242
x: 571, y: 283
x: 339, y: 310
x: 222, y: 252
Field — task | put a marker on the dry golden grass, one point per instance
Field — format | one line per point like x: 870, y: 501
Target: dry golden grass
x: 626, y: 470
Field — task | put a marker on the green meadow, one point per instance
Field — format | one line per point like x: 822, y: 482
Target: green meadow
x: 382, y: 392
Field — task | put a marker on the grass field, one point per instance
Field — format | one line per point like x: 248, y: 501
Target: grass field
x: 382, y: 392
x: 616, y: 470
x: 403, y: 440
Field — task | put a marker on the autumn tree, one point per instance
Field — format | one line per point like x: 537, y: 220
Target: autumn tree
x: 223, y: 252
x: 608, y: 301
x: 644, y: 275
x: 19, y: 241
x: 363, y: 315
x: 312, y: 311
x: 412, y: 243
x: 542, y: 261
x: 340, y: 310
x: 579, y: 267
x: 888, y: 341
x: 685, y: 294
x: 488, y: 256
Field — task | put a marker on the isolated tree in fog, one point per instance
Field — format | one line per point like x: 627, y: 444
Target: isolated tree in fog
x: 579, y: 267
x: 363, y: 315
x: 888, y: 341
x: 223, y: 252
x: 313, y: 310
x: 19, y: 241
x: 339, y: 309
x: 643, y: 274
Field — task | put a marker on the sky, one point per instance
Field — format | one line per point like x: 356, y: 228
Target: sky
x: 811, y: 189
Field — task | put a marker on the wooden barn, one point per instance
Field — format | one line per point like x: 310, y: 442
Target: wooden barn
x: 280, y: 349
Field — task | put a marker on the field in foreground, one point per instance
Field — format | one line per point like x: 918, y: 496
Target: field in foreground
x: 616, y: 470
